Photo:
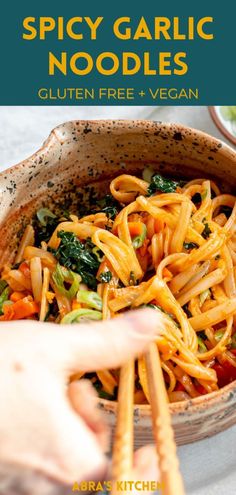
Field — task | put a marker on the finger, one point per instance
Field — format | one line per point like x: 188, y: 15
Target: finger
x: 88, y: 347
x: 83, y: 398
x: 77, y: 454
x: 107, y: 344
x: 146, y: 472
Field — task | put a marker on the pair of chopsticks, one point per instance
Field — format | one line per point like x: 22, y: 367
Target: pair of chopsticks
x: 122, y: 458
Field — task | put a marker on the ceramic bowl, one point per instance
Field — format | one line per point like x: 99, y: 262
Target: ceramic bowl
x: 73, y: 166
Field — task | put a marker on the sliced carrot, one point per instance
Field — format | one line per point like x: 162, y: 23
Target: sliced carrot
x: 20, y: 309
x: 16, y: 296
x: 75, y: 304
x: 135, y: 228
x: 25, y: 269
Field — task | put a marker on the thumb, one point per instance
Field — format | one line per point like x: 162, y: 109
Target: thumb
x: 103, y: 345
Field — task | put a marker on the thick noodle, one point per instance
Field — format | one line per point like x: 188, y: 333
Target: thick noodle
x: 174, y: 251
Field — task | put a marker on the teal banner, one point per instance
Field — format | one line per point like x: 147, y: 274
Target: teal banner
x: 124, y: 53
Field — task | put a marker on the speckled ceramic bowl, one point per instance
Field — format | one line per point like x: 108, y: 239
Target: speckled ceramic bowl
x: 73, y: 166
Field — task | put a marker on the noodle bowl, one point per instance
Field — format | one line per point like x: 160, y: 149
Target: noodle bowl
x: 173, y: 249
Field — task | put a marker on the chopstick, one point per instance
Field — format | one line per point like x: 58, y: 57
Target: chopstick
x: 170, y: 476
x: 122, y: 456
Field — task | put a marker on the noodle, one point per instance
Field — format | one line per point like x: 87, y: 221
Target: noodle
x: 163, y: 245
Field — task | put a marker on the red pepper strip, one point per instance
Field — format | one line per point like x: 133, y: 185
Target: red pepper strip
x: 225, y: 374
x: 201, y: 390
x: 179, y: 387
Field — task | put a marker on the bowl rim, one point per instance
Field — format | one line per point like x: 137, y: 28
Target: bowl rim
x: 191, y: 405
x: 220, y: 125
x: 54, y: 135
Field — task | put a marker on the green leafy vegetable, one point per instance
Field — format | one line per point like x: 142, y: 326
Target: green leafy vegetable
x: 43, y: 214
x: 153, y: 306
x: 61, y: 276
x: 102, y: 393
x: 78, y: 257
x: 98, y: 253
x: 204, y: 195
x: 233, y: 341
x: 108, y: 205
x: 4, y: 297
x: 159, y: 183
x: 3, y: 285
x: 201, y: 346
x: 105, y: 395
x: 82, y: 315
x: 206, y: 294
x: 132, y: 279
x: 207, y: 231
x: 138, y: 240
x: 105, y: 277
x: 219, y: 334
x: 44, y: 224
x: 92, y: 299
x: 147, y: 174
x: 187, y: 311
x: 190, y: 245
x: 229, y: 112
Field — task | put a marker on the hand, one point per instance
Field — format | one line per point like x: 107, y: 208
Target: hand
x: 53, y: 432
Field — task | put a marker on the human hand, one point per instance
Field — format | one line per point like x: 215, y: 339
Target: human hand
x: 53, y: 433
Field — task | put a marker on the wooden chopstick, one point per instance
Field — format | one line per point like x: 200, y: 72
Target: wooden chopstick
x: 171, y: 479
x: 122, y: 456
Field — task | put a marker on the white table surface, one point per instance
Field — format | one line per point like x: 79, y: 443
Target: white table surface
x: 208, y: 466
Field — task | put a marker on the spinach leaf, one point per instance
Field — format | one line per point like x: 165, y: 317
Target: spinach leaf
x: 4, y: 297
x: 190, y: 245
x: 78, y: 257
x: 207, y: 231
x: 103, y: 394
x: 108, y: 205
x: 202, y: 335
x: 3, y: 285
x: 187, y: 311
x: 44, y: 224
x: 159, y: 183
x: 105, y: 277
